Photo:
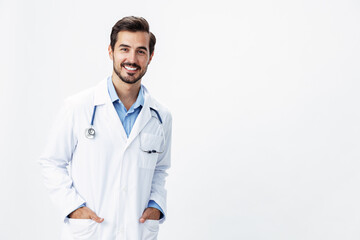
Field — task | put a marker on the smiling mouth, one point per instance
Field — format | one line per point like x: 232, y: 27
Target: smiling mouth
x: 131, y: 68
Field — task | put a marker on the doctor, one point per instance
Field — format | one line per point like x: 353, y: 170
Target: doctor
x: 106, y: 160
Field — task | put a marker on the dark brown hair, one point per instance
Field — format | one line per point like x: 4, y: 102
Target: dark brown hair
x: 132, y: 24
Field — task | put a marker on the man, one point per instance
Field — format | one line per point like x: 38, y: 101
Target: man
x: 106, y: 160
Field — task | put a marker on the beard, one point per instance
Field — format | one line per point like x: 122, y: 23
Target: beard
x: 130, y: 77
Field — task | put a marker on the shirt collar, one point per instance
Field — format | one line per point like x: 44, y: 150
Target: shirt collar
x: 114, y: 97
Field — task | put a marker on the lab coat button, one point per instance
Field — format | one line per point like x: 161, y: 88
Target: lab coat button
x: 124, y: 189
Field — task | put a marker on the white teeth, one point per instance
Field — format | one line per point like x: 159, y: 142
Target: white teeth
x: 130, y: 68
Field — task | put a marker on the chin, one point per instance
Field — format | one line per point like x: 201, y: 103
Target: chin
x: 129, y: 81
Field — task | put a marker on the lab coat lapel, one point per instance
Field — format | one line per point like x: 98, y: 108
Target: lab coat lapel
x: 102, y: 97
x: 142, y: 119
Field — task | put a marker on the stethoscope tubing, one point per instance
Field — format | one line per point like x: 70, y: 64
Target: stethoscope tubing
x: 90, y: 132
x: 93, y: 116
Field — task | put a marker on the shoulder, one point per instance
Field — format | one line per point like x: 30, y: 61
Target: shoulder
x: 165, y: 116
x: 80, y: 100
x: 164, y: 111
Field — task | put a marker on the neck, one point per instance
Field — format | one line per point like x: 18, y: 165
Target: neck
x: 127, y: 93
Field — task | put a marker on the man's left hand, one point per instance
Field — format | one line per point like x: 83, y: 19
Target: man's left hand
x: 151, y: 214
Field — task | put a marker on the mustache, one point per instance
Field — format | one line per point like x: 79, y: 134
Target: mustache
x: 130, y: 65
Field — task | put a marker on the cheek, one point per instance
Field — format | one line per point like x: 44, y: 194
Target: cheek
x: 117, y: 61
x: 144, y: 62
x: 117, y: 57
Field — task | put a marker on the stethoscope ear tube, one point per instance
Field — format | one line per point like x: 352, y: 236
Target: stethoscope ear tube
x: 157, y: 113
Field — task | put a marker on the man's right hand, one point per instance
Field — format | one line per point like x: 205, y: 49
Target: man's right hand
x: 85, y: 213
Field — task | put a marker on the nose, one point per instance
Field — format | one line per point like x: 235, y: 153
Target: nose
x: 132, y: 57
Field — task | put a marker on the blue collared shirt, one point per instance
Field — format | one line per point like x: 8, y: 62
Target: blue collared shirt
x: 128, y: 118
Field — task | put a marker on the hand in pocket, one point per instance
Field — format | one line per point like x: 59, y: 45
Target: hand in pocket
x: 151, y: 214
x: 85, y: 213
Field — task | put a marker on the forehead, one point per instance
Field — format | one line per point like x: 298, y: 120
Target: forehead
x: 133, y: 39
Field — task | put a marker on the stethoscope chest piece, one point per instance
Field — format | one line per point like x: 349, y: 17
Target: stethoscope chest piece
x: 90, y: 133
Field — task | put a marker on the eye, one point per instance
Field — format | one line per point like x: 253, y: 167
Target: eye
x: 142, y: 52
x: 123, y: 49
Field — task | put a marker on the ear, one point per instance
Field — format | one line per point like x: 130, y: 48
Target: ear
x: 151, y: 56
x: 111, y: 53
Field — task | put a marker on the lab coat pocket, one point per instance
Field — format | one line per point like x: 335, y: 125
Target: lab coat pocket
x: 150, y: 146
x: 82, y: 228
x: 150, y: 230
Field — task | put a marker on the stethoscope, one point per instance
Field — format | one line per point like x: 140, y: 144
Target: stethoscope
x: 90, y: 131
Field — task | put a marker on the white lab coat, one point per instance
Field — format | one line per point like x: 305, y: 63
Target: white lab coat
x: 110, y: 173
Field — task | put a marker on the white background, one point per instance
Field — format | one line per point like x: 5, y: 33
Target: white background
x: 265, y: 101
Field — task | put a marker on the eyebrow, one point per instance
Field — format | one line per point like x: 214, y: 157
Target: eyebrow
x: 124, y: 45
x: 142, y: 47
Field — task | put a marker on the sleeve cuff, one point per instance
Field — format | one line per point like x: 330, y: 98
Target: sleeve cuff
x: 82, y: 205
x: 153, y: 204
